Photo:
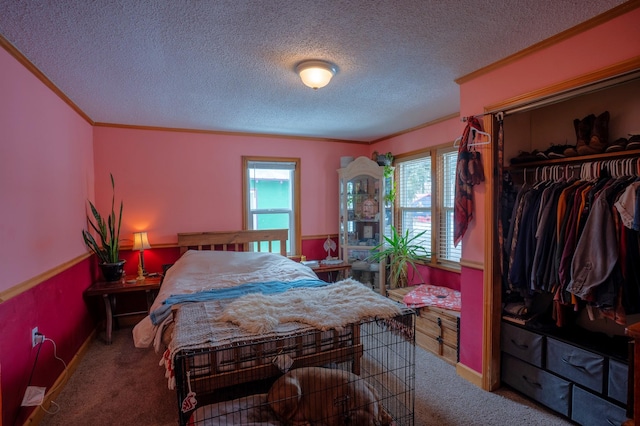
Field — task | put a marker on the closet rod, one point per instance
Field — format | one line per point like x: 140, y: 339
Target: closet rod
x: 589, y: 169
x: 602, y: 163
x: 533, y: 169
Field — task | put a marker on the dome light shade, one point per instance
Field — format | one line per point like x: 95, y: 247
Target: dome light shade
x: 315, y: 74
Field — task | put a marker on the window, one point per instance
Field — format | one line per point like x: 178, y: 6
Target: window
x: 271, y: 197
x: 426, y: 190
x: 447, y: 159
x: 414, y: 198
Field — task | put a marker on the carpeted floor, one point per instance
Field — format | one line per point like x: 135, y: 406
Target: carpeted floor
x: 119, y: 384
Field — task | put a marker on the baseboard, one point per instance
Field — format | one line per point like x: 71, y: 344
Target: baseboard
x: 38, y: 413
x: 469, y: 374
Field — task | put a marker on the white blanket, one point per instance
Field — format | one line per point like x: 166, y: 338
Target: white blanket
x: 333, y: 306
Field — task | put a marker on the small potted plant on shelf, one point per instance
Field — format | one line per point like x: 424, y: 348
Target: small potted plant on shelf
x: 107, y: 250
x: 400, y: 252
x: 382, y: 159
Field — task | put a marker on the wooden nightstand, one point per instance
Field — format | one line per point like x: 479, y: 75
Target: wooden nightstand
x: 333, y: 273
x: 109, y: 290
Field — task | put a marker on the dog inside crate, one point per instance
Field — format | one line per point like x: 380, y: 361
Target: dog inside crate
x: 331, y: 394
x: 326, y: 396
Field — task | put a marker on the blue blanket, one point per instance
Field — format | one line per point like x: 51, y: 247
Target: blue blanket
x: 271, y: 287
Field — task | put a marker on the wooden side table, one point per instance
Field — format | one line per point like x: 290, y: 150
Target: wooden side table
x: 109, y: 290
x: 333, y: 272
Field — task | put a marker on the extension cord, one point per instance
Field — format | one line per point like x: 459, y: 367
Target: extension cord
x: 34, y: 395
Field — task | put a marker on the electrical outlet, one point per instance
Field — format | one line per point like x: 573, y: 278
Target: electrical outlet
x: 34, y: 339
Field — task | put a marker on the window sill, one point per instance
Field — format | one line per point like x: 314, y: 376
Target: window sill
x: 451, y: 267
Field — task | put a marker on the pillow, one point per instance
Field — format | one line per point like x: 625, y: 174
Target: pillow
x: 432, y: 295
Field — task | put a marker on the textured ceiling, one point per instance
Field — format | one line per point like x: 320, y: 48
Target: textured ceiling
x: 229, y: 65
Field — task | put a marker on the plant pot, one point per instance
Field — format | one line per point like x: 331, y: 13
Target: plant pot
x: 383, y: 160
x: 112, y: 271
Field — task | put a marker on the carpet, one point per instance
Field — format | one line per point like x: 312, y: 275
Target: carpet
x: 120, y: 384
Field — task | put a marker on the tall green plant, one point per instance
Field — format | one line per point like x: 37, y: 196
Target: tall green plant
x: 108, y: 250
x: 403, y: 252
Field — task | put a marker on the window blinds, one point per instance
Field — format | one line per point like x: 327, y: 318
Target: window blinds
x: 414, y: 203
x: 446, y: 194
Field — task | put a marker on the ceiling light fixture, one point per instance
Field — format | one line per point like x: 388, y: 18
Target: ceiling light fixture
x: 316, y: 74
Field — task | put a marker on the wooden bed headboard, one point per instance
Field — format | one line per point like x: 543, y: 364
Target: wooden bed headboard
x: 232, y: 240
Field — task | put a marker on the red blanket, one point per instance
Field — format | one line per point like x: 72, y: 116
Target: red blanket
x: 432, y: 295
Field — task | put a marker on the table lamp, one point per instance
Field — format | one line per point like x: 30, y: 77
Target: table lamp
x: 141, y: 242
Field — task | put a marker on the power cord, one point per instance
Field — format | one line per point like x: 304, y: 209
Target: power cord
x: 35, y: 362
x: 64, y: 371
x: 42, y: 338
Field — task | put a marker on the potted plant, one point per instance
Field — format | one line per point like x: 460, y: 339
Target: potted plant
x: 400, y: 252
x: 382, y: 159
x: 107, y: 250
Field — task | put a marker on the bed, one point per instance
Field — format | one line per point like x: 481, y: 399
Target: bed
x: 210, y: 353
x: 198, y: 273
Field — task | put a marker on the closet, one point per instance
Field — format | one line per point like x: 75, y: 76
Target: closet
x: 570, y: 259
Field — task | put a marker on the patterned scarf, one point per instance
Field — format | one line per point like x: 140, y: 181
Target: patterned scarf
x: 463, y: 202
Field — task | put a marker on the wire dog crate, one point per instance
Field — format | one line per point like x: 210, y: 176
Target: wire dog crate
x: 339, y: 377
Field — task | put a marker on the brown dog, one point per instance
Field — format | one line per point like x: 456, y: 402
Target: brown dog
x: 326, y: 396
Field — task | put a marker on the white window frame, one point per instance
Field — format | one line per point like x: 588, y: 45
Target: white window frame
x: 249, y: 211
x: 446, y: 160
x: 442, y: 203
x: 404, y: 208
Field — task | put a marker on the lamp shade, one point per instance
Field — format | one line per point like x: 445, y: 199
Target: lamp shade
x: 140, y: 241
x: 315, y: 74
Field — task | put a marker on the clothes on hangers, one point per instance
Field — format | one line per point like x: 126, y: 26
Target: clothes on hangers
x: 568, y: 238
x: 591, y: 268
x: 508, y: 198
x: 627, y: 206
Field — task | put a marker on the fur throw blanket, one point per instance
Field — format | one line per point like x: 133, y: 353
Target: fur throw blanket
x: 333, y: 306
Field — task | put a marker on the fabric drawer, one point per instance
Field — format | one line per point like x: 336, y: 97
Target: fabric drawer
x: 578, y: 365
x: 589, y: 409
x: 618, y: 380
x: 522, y: 343
x: 544, y: 387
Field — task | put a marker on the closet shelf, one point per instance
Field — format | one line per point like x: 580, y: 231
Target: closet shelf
x: 575, y: 160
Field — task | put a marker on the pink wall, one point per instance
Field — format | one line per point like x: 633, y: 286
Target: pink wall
x: 434, y: 276
x: 46, y: 176
x: 59, y: 311
x: 313, y: 248
x: 185, y: 182
x: 440, y: 133
x: 607, y: 44
x: 154, y: 259
x: 471, y: 316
